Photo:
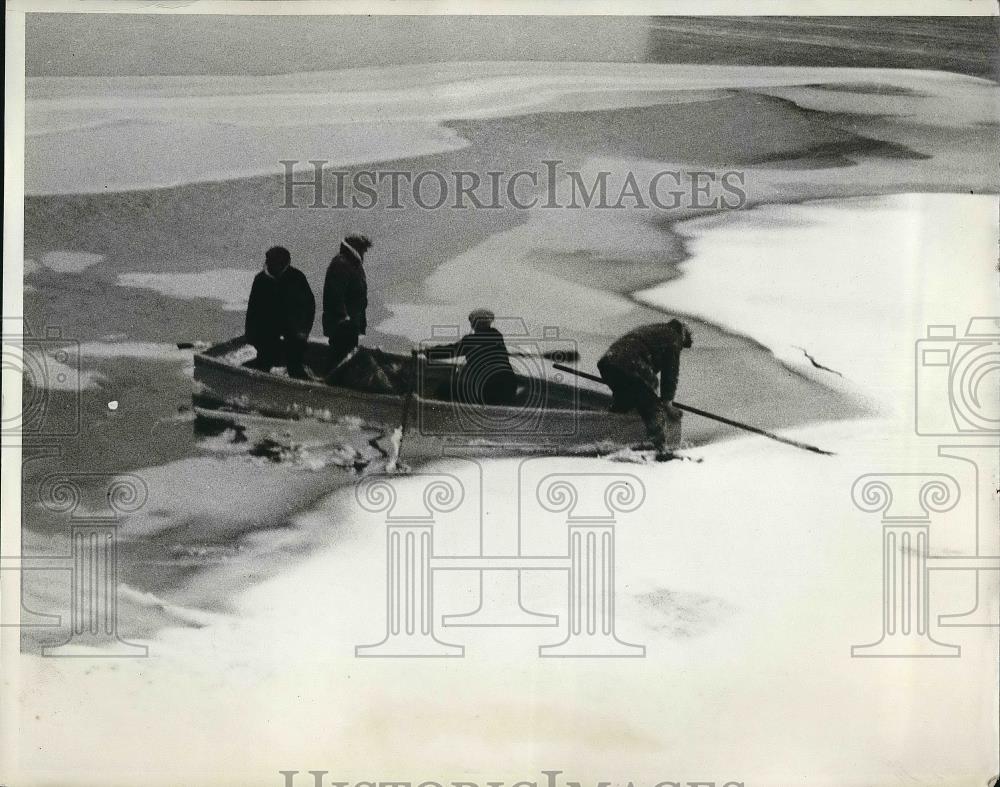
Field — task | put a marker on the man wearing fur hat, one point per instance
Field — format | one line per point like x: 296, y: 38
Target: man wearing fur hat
x: 345, y: 298
x: 630, y: 368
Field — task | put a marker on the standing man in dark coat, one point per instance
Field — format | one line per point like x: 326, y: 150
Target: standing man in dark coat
x: 345, y: 298
x: 280, y: 314
x: 630, y: 368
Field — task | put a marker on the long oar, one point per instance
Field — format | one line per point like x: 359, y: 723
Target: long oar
x: 566, y: 356
x: 712, y: 416
x: 550, y: 355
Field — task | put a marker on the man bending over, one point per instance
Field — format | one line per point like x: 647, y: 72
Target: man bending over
x: 630, y: 368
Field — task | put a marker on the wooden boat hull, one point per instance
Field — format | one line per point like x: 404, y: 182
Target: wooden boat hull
x: 550, y: 412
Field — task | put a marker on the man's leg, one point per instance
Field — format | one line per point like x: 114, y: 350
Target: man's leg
x: 654, y: 416
x: 344, y: 339
x: 268, y: 353
x: 295, y: 352
x: 621, y: 385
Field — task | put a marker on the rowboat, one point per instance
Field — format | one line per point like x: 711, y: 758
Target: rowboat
x: 551, y: 408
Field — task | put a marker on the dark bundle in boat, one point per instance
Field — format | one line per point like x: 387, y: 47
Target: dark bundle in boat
x: 373, y: 371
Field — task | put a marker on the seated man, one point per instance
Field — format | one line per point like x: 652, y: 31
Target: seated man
x: 630, y: 367
x: 487, y: 377
x: 280, y: 314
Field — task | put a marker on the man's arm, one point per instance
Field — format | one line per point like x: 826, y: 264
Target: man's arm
x: 250, y: 324
x: 307, y: 306
x: 334, y: 305
x: 460, y: 348
x: 670, y: 374
x: 363, y: 285
x: 451, y: 349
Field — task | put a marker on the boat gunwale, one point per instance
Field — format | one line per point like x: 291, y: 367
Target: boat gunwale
x: 212, y: 359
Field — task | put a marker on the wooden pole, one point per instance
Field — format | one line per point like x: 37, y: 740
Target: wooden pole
x: 712, y: 416
x: 408, y: 403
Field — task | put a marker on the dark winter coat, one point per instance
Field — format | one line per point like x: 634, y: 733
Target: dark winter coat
x: 345, y: 293
x: 281, y: 307
x: 647, y: 351
x: 485, y: 353
x: 487, y: 377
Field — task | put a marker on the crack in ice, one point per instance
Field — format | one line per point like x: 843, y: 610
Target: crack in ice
x: 816, y: 363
